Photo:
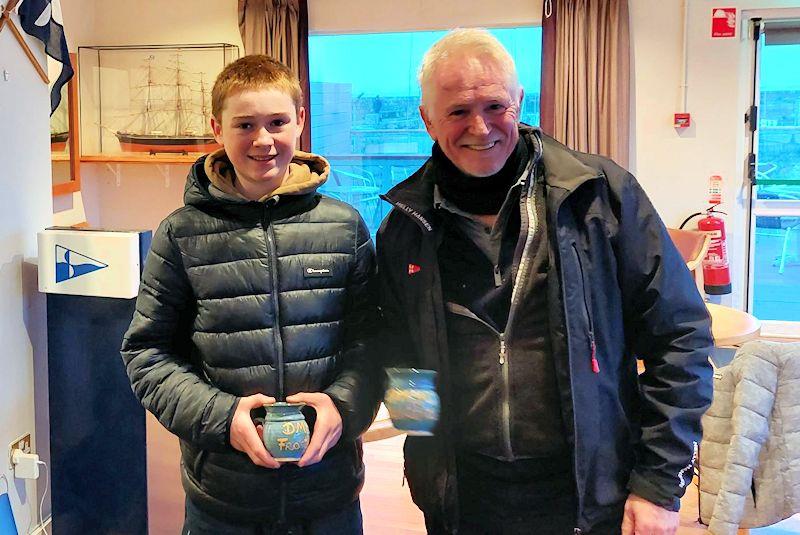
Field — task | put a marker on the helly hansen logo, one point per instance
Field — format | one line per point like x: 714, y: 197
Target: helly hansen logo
x: 413, y: 269
x: 317, y: 272
x: 415, y: 214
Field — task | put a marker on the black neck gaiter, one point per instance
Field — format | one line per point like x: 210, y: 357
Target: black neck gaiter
x: 479, y: 195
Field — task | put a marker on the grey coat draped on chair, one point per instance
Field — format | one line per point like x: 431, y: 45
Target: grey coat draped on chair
x: 750, y: 452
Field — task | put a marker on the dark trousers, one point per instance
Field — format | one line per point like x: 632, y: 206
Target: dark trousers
x: 345, y: 522
x: 520, y: 498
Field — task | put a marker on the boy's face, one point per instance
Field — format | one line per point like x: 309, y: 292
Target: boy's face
x: 259, y: 129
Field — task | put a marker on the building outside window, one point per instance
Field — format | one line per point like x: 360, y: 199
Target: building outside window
x: 776, y: 251
x: 365, y: 108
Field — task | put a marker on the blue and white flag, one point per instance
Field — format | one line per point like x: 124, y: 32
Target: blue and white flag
x: 42, y: 19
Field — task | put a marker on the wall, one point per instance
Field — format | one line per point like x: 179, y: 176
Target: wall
x: 131, y: 196
x: 142, y: 196
x: 25, y: 208
x: 674, y: 166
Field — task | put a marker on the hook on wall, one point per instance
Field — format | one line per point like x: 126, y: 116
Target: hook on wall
x: 115, y: 170
x: 164, y: 170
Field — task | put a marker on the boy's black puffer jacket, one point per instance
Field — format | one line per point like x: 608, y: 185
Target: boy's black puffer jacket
x: 241, y: 297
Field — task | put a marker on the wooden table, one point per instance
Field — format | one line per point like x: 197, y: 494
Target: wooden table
x: 731, y: 327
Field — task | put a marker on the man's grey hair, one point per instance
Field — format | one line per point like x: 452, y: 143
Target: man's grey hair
x: 474, y: 42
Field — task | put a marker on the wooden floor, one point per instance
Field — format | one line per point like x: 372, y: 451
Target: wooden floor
x: 388, y: 509
x: 385, y: 501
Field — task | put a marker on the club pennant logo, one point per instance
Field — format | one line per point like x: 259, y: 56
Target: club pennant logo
x: 413, y: 269
x: 71, y: 264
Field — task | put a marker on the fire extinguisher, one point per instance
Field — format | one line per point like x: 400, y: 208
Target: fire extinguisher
x: 716, y: 273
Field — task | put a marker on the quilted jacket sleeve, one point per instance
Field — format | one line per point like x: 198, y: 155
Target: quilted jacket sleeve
x: 356, y: 391
x: 156, y: 356
x: 668, y: 326
x: 756, y: 380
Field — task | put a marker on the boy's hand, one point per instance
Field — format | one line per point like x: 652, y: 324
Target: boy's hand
x: 327, y: 429
x: 244, y: 435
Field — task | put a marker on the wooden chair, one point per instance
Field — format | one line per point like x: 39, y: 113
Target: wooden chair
x: 693, y: 246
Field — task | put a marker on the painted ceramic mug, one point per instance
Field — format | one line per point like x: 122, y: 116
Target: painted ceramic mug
x: 285, y: 431
x: 412, y: 400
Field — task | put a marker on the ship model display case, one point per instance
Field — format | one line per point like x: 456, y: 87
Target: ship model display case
x: 148, y: 102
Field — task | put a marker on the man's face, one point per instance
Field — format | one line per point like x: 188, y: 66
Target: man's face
x: 473, y: 114
x: 259, y: 129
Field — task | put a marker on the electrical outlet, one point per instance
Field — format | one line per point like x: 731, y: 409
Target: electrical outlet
x: 23, y: 443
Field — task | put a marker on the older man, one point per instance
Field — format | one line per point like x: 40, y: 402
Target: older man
x: 531, y: 277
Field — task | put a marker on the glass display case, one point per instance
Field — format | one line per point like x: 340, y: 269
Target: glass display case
x: 148, y: 102
x: 64, y: 149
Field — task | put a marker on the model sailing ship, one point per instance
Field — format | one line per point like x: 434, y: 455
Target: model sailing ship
x: 174, y: 116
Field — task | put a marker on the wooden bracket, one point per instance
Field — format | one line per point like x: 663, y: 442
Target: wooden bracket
x: 5, y: 18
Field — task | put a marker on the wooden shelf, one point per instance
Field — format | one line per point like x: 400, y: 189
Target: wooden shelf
x: 144, y: 158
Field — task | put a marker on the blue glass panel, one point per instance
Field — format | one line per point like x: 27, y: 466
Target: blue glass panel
x: 364, y: 108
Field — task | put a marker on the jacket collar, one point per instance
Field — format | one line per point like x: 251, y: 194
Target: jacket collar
x: 207, y: 194
x: 307, y: 172
x: 562, y: 169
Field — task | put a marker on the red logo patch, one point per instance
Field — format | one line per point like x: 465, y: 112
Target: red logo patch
x: 413, y: 268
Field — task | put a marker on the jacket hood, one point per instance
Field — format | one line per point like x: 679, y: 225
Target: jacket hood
x: 212, y: 179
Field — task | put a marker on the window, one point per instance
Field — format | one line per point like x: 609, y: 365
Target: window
x: 364, y: 108
x: 776, y: 250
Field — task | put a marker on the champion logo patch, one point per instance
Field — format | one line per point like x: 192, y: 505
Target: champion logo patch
x: 317, y: 272
x: 413, y: 269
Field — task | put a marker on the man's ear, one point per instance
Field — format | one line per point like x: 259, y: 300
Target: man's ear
x: 216, y: 127
x: 426, y: 120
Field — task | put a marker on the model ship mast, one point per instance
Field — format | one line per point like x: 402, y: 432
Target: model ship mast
x: 168, y: 107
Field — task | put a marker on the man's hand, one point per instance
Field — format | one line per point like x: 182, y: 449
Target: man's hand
x: 244, y: 435
x: 327, y: 429
x: 646, y: 518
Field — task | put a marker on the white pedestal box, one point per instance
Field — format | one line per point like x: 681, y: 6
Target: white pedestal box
x: 98, y: 263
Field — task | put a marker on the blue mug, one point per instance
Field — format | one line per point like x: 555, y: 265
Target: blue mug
x: 412, y: 400
x: 285, y: 432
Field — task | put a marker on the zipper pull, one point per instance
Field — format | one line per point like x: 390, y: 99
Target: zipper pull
x: 502, y: 351
x: 595, y: 364
x: 498, y: 277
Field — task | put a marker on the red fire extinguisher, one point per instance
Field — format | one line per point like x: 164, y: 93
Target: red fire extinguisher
x: 716, y: 273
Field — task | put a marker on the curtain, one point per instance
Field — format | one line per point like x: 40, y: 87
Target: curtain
x: 585, y: 94
x: 279, y: 28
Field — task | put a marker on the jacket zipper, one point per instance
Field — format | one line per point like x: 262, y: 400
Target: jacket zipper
x: 518, y: 283
x: 592, y: 345
x: 276, y: 335
x: 503, y: 361
x: 276, y: 329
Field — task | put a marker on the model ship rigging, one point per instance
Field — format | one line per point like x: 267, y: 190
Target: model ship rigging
x: 174, y: 116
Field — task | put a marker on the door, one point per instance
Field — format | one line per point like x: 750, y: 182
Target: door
x: 774, y: 283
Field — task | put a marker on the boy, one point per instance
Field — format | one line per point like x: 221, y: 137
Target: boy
x: 256, y: 291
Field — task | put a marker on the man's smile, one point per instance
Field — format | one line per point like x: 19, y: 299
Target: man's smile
x: 483, y: 147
